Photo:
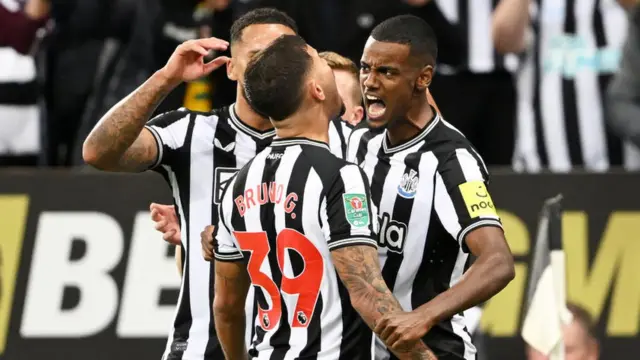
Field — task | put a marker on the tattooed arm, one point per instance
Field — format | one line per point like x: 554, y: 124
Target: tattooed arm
x: 359, y: 269
x: 231, y: 287
x: 120, y: 142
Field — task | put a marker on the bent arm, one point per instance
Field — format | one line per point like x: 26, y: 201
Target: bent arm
x: 489, y: 274
x: 120, y: 142
x: 509, y: 25
x: 359, y: 269
x: 231, y: 286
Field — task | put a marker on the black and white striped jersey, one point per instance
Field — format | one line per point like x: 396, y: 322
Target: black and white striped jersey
x: 339, y: 133
x: 430, y: 192
x: 198, y: 154
x: 473, y: 17
x: 575, y: 48
x: 283, y: 214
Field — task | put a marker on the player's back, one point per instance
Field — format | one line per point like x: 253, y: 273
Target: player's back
x: 287, y: 210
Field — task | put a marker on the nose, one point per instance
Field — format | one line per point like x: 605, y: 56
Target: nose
x: 370, y: 81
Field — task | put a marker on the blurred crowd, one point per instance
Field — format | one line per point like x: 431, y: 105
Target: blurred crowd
x: 64, y: 63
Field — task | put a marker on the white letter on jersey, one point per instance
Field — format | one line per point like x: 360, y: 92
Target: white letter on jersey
x: 52, y: 271
x: 149, y: 270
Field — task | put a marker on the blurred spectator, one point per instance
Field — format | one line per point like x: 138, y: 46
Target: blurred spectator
x: 571, y: 52
x: 19, y: 91
x: 343, y: 26
x: 348, y: 81
x: 484, y: 83
x: 580, y: 341
x: 127, y: 56
x: 624, y: 92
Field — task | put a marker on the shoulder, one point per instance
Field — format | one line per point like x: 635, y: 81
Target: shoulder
x: 185, y: 115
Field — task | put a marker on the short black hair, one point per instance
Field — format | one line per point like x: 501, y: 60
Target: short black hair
x: 409, y: 30
x: 275, y: 77
x: 261, y: 16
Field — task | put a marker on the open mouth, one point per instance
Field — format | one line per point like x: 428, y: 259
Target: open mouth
x: 375, y: 106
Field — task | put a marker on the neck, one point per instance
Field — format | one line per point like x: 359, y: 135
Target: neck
x: 248, y: 116
x: 416, y: 119
x: 312, y: 124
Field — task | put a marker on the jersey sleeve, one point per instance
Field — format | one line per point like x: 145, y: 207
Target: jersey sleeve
x: 170, y: 131
x: 347, y: 215
x: 225, y: 248
x: 462, y: 201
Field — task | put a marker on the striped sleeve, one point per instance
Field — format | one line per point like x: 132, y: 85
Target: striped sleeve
x: 225, y: 248
x: 462, y: 201
x: 170, y: 131
x: 348, y: 217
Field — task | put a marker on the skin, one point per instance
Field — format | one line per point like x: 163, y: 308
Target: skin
x: 391, y: 74
x: 349, y: 89
x: 357, y: 266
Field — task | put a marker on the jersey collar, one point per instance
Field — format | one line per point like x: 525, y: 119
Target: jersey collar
x: 298, y: 141
x: 259, y: 134
x: 413, y: 141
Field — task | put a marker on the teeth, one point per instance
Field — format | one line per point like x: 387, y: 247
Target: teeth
x: 369, y: 97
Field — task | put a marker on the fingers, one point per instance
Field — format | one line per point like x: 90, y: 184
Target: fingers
x: 381, y: 324
x: 215, y: 63
x: 172, y: 237
x: 161, y: 224
x: 212, y: 43
x: 206, y: 239
x: 155, y: 215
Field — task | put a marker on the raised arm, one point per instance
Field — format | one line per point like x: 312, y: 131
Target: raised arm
x: 119, y: 141
x: 510, y: 23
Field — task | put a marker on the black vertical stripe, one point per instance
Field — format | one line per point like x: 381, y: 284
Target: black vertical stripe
x: 280, y: 338
x: 184, y: 319
x: 402, y: 214
x: 569, y: 101
x: 297, y: 185
x: 614, y: 143
x: 463, y: 23
x: 537, y: 100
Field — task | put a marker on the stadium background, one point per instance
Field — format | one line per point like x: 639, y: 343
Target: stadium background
x: 84, y: 275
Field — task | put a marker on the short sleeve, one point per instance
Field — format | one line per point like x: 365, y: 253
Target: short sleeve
x: 462, y: 201
x: 170, y: 131
x: 347, y: 213
x: 226, y: 248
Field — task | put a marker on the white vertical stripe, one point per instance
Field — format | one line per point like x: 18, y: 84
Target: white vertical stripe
x: 480, y: 40
x: 16, y: 67
x: 175, y: 134
x: 457, y: 321
x: 335, y: 143
x: 469, y: 165
x: 245, y: 148
x: 183, y: 234
x: 449, y: 9
x: 590, y: 113
x: 552, y: 16
x: 525, y: 155
x: 354, y: 145
x: 417, y: 234
x: 444, y: 207
x: 200, y: 200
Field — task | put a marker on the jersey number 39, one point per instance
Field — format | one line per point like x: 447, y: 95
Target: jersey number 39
x: 306, y: 285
